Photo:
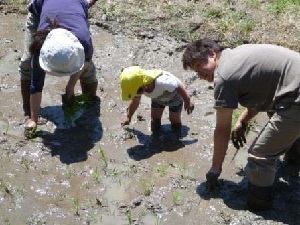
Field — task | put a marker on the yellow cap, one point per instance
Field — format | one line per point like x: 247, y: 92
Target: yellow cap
x: 133, y: 77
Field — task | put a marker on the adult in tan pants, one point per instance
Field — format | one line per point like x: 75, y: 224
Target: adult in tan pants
x: 262, y: 78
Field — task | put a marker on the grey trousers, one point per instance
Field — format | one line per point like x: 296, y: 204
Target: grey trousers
x: 88, y: 76
x: 279, y: 134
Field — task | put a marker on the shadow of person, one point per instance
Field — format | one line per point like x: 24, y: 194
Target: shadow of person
x: 234, y: 195
x: 287, y: 192
x: 72, y: 144
x: 286, y: 203
x: 166, y: 140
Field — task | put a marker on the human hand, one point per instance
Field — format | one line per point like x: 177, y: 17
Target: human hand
x: 189, y: 108
x: 238, y: 135
x: 91, y: 2
x: 212, y: 181
x: 126, y: 121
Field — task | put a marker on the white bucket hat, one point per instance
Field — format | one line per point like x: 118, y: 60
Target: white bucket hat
x: 61, y: 54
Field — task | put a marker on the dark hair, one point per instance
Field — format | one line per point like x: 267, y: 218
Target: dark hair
x: 199, y: 50
x: 40, y: 36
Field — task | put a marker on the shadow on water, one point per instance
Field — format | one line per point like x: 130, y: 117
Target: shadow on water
x: 150, y: 145
x: 72, y: 144
x: 286, y: 203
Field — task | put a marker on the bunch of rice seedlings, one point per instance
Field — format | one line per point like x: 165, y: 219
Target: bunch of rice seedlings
x: 74, y: 107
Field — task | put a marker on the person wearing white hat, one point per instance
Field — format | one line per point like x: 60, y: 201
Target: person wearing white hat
x: 57, y: 42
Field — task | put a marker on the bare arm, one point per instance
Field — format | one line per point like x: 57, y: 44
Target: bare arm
x: 134, y: 104
x: 186, y: 98
x: 73, y: 80
x: 221, y: 138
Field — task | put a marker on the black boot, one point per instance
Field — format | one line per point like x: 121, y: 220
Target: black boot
x: 176, y: 128
x: 156, y: 126
x: 259, y: 198
x: 25, y: 92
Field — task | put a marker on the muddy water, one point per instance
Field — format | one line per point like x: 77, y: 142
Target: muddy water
x: 99, y: 173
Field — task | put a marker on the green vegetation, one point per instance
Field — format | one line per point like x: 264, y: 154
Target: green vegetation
x: 96, y: 175
x: 103, y: 157
x: 25, y: 163
x: 232, y: 22
x: 114, y: 172
x: 157, y: 221
x: 6, y: 188
x: 129, y: 216
x: 235, y: 116
x: 76, y: 207
x: 6, y: 128
x: 278, y: 6
x: 162, y: 169
x: 176, y: 198
x: 7, y: 222
x: 73, y: 106
x: 69, y: 172
x: 147, y: 186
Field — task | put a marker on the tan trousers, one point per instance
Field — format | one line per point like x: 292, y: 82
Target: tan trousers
x: 275, y: 139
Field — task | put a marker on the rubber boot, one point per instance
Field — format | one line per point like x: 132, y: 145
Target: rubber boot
x: 25, y: 91
x: 259, y: 198
x: 90, y: 89
x: 176, y: 128
x: 155, y: 126
x: 292, y: 156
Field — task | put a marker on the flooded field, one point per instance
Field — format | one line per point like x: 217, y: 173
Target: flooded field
x: 100, y: 173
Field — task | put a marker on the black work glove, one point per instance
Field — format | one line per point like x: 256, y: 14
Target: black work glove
x: 212, y: 181
x: 238, y: 135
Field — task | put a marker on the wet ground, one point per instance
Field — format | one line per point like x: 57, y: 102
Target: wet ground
x: 99, y: 173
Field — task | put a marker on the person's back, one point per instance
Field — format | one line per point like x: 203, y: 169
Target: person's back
x: 70, y: 14
x: 255, y: 75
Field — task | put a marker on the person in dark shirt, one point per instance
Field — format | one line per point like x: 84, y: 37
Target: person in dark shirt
x: 57, y: 42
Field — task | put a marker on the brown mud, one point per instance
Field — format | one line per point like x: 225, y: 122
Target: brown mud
x: 99, y: 173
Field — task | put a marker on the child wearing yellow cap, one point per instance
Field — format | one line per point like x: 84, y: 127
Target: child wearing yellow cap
x: 162, y: 87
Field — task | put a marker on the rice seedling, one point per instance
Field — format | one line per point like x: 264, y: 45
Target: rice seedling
x: 7, y: 222
x: 73, y: 107
x: 69, y: 172
x: 103, y: 157
x: 157, y: 221
x: 96, y: 175
x: 129, y: 216
x: 75, y: 203
x: 176, y: 198
x: 147, y: 187
x: 5, y: 187
x: 114, y: 172
x: 25, y: 163
x: 6, y: 129
x: 162, y: 169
